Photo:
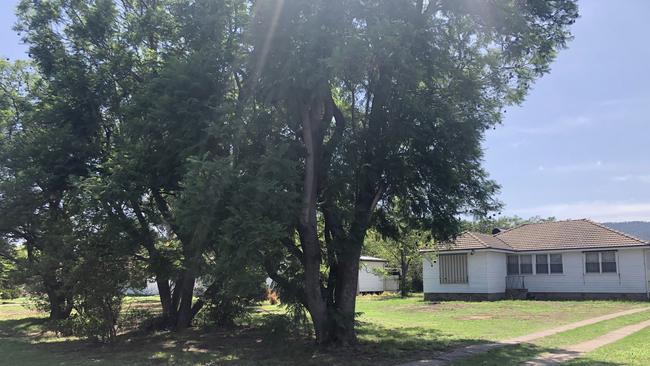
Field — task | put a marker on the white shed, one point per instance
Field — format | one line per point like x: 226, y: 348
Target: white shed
x: 371, y: 278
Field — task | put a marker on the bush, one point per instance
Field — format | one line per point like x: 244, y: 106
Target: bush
x: 135, y: 318
x: 94, y: 318
x: 230, y: 299
x: 8, y: 294
x: 284, y: 326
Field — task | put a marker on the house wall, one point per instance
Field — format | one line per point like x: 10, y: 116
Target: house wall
x: 496, y: 272
x: 369, y: 281
x: 485, y: 278
x: 630, y: 279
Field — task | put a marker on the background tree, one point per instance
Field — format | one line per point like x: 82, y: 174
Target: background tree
x: 487, y: 224
x: 398, y: 240
x: 385, y: 100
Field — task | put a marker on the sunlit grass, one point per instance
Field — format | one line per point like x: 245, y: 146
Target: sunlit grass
x: 391, y: 330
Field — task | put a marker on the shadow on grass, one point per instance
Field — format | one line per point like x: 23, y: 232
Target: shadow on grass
x: 22, y: 327
x: 267, y: 343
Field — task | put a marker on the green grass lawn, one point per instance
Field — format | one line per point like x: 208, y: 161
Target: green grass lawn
x: 391, y: 330
x: 632, y: 350
x: 516, y: 354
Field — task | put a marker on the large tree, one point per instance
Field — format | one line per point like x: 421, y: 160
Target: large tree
x: 389, y: 99
x: 163, y: 76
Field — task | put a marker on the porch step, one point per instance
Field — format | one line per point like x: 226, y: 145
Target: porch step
x: 517, y: 294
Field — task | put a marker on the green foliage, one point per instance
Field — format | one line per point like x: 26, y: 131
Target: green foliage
x: 388, y: 101
x: 487, y: 224
x: 9, y: 284
x: 218, y: 140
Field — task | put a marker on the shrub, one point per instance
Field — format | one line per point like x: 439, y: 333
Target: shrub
x: 95, y: 318
x: 8, y: 294
x: 134, y: 318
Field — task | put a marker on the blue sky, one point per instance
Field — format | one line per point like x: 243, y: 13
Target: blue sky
x: 578, y: 147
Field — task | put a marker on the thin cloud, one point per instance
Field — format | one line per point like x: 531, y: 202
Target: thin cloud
x: 580, y: 167
x: 643, y: 178
x: 595, y: 210
x: 563, y: 125
x: 590, y: 166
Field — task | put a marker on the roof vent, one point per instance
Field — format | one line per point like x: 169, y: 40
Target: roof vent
x: 495, y: 231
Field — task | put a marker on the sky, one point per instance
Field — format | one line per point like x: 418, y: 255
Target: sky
x: 578, y: 146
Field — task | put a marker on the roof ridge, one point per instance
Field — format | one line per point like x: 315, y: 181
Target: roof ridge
x: 477, y: 238
x: 490, y: 235
x: 536, y: 223
x: 503, y: 241
x: 512, y: 228
x: 616, y: 231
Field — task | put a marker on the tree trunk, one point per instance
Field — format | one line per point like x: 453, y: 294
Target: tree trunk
x: 184, y: 318
x: 314, y: 301
x: 165, y: 294
x: 308, y: 226
x: 347, y: 281
x: 60, y: 308
x: 404, y: 267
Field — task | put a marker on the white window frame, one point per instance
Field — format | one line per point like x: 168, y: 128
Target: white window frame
x: 532, y: 264
x: 600, y: 262
x: 550, y: 270
x: 508, y: 265
x: 456, y: 276
x: 548, y: 264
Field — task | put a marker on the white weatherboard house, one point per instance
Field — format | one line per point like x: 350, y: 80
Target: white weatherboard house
x: 371, y: 278
x: 573, y: 259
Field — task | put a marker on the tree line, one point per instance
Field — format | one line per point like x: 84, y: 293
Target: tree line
x: 231, y: 140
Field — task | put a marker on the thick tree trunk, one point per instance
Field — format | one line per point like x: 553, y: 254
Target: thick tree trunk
x: 308, y: 226
x: 314, y: 301
x: 347, y: 281
x: 185, y: 315
x: 165, y: 294
x: 60, y: 307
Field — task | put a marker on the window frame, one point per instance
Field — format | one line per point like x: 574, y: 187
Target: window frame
x: 537, y: 264
x: 521, y: 264
x: 458, y: 276
x: 508, y: 265
x: 599, y: 254
x: 549, y: 264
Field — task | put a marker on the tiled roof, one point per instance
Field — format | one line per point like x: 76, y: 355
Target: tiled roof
x: 472, y: 240
x: 569, y: 234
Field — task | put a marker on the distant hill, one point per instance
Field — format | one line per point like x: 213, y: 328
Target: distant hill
x: 640, y: 229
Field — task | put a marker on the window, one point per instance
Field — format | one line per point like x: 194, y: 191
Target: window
x: 526, y: 264
x: 541, y: 263
x: 513, y: 264
x: 600, y: 262
x: 556, y: 263
x: 453, y: 268
x: 608, y: 262
x: 548, y: 263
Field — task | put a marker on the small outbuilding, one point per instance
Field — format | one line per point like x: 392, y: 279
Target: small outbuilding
x: 375, y: 277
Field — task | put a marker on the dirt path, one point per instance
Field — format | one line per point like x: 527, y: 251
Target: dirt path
x: 577, y: 350
x: 472, y: 350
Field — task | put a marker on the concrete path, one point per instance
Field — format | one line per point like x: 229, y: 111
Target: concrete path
x: 468, y: 351
x: 579, y: 349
